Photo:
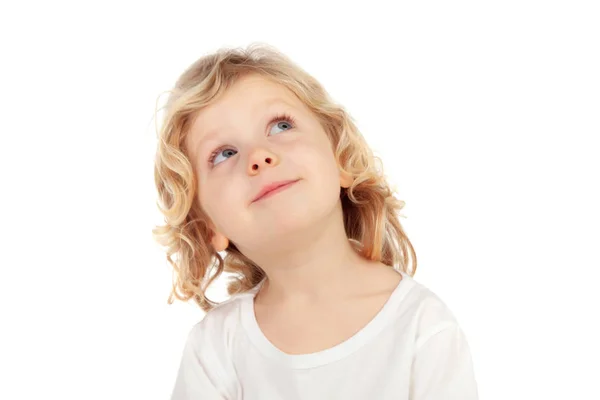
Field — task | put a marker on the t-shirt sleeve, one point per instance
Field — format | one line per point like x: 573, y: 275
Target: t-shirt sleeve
x: 442, y: 367
x: 198, y: 375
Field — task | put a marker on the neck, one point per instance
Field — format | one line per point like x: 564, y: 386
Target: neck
x: 311, y: 265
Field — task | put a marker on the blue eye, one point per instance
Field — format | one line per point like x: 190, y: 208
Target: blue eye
x: 283, y: 121
x: 282, y: 124
x: 219, y: 152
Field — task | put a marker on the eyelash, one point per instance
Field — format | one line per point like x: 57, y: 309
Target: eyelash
x: 278, y: 118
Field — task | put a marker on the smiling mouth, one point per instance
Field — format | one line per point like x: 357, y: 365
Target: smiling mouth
x: 275, y: 191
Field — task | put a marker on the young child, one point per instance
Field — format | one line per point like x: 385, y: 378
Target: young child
x: 260, y: 174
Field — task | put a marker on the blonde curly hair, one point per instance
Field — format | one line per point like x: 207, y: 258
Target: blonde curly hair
x: 371, y: 212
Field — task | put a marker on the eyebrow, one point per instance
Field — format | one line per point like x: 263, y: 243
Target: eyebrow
x: 215, y: 132
x: 205, y: 138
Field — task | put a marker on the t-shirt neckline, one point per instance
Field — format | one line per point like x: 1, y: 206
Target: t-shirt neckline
x: 332, y: 354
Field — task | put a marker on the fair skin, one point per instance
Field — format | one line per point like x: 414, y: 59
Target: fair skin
x: 297, y: 236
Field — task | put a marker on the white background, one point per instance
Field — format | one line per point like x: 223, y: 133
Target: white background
x: 486, y: 115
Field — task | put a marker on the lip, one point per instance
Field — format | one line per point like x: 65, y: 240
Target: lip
x: 272, y: 187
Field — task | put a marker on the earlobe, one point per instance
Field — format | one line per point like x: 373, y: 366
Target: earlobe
x: 345, y: 180
x: 219, y: 242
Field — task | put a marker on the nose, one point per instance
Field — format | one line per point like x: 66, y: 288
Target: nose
x: 260, y: 159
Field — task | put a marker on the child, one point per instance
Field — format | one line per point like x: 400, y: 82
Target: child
x: 322, y: 304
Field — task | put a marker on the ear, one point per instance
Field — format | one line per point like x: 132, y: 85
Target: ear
x: 345, y: 179
x: 218, y: 240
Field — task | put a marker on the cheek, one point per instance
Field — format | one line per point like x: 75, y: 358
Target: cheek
x: 313, y: 149
x: 318, y: 162
x: 223, y: 200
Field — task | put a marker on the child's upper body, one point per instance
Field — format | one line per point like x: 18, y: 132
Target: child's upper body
x: 255, y: 161
x: 413, y: 349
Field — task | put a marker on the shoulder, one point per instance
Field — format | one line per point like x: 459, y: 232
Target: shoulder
x: 206, y: 363
x: 427, y: 312
x: 441, y: 362
x: 219, y: 323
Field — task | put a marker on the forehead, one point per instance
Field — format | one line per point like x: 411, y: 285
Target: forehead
x: 244, y: 99
x: 247, y: 94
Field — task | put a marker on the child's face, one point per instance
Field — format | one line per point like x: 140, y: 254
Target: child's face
x: 237, y: 125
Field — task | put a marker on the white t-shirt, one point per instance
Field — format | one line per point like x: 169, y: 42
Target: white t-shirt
x: 413, y: 349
